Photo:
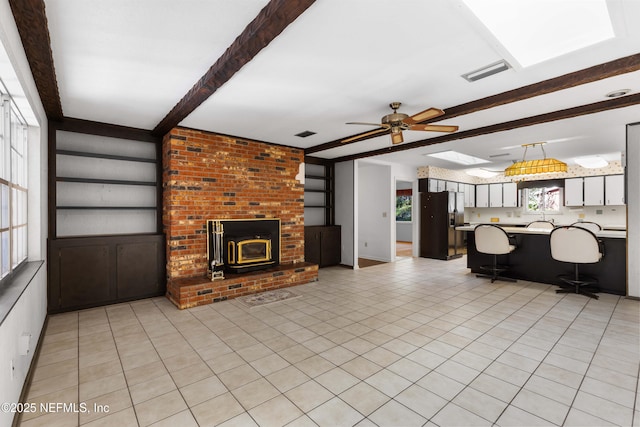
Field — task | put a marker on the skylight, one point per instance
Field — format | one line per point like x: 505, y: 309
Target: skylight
x: 534, y: 31
x: 455, y: 157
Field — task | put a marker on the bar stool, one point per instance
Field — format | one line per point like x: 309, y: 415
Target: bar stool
x: 492, y: 239
x: 547, y: 225
x: 578, y: 246
x: 589, y: 225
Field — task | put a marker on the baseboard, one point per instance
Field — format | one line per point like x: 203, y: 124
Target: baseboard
x: 17, y: 419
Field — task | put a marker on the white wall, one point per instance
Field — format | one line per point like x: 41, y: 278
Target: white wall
x: 375, y: 214
x: 29, y: 312
x: 633, y: 210
x: 345, y: 209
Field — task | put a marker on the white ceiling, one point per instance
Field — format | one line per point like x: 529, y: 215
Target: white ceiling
x: 340, y: 61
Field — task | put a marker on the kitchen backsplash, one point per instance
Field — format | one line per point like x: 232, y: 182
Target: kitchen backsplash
x: 603, y: 215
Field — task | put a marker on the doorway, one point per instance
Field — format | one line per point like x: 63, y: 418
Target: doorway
x: 404, y: 219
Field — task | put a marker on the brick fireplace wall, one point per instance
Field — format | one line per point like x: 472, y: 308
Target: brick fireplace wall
x: 209, y: 176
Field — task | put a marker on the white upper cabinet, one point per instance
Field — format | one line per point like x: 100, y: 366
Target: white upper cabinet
x: 433, y: 185
x: 452, y: 186
x: 482, y: 196
x: 495, y: 195
x: 469, y: 196
x: 594, y: 191
x: 509, y: 195
x: 614, y: 190
x: 573, y: 195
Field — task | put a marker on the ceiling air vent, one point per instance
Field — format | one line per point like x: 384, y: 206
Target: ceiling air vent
x: 489, y: 70
x: 305, y: 134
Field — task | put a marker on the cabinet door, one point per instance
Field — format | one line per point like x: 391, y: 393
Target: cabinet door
x: 510, y: 195
x: 495, y: 195
x: 433, y: 185
x: 442, y: 185
x: 451, y: 186
x: 614, y: 190
x: 312, y: 245
x: 594, y: 191
x: 470, y: 194
x: 573, y: 192
x: 482, y: 196
x: 330, y: 246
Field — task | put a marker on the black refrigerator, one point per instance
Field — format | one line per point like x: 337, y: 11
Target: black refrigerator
x: 440, y: 214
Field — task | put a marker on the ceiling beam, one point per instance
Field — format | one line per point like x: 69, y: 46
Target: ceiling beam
x: 31, y: 20
x: 269, y: 23
x: 613, y: 68
x: 596, y: 107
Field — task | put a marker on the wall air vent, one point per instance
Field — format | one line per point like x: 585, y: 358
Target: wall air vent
x: 305, y: 134
x: 489, y: 70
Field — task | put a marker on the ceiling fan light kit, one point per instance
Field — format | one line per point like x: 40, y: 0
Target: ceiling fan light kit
x: 533, y: 167
x: 398, y: 122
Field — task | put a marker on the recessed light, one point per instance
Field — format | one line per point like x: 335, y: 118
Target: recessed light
x: 459, y: 158
x: 481, y: 173
x: 591, y: 162
x: 618, y: 93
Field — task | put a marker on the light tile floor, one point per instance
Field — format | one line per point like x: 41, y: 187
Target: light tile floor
x: 416, y: 342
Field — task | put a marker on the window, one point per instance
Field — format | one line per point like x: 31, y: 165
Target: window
x: 13, y: 189
x: 543, y: 199
x: 403, y: 205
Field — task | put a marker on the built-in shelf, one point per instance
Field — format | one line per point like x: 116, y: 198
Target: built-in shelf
x: 319, y: 194
x: 105, y: 156
x: 136, y: 208
x: 104, y: 181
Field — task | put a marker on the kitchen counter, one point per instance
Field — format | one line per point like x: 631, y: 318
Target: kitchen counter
x: 613, y: 234
x: 531, y: 260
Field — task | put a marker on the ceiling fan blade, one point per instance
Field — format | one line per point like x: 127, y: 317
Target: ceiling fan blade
x: 364, y: 135
x: 397, y: 138
x: 434, y: 128
x: 427, y: 114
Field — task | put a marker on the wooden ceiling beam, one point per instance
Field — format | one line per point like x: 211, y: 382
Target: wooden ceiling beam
x: 31, y: 20
x: 613, y: 68
x: 597, y: 107
x: 269, y: 23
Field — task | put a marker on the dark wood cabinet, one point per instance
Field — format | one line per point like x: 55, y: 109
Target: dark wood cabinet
x: 322, y: 245
x: 92, y: 271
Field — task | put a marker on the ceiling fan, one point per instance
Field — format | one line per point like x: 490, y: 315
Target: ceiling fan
x: 397, y: 122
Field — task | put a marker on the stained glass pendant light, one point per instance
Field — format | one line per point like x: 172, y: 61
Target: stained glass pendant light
x: 532, y: 167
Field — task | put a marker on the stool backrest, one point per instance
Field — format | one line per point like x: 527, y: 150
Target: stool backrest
x: 548, y: 225
x: 592, y: 226
x: 491, y: 239
x: 574, y: 244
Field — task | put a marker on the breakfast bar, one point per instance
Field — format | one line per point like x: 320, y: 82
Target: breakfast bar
x: 532, y: 260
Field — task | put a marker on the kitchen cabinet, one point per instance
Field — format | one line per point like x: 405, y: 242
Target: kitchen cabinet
x: 594, y: 191
x: 433, y: 185
x: 614, y: 190
x: 482, y: 196
x: 452, y: 186
x: 442, y: 185
x: 509, y: 195
x: 573, y: 192
x: 495, y: 195
x: 469, y: 195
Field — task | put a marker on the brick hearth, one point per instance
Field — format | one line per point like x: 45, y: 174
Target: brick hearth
x: 209, y: 176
